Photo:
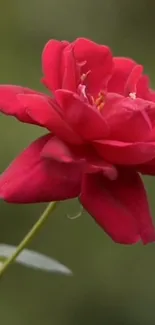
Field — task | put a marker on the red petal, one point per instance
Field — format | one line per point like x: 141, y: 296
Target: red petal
x: 82, y: 155
x: 71, y: 70
x: 57, y: 150
x: 30, y: 178
x: 120, y: 207
x: 132, y: 81
x: 108, y: 211
x: 128, y: 119
x: 127, y: 71
x: 10, y: 104
x: 51, y: 63
x: 143, y: 89
x: 97, y: 165
x: 151, y: 95
x: 40, y: 110
x: 148, y: 168
x: 82, y: 117
x: 122, y: 70
x: 98, y: 60
x: 123, y: 153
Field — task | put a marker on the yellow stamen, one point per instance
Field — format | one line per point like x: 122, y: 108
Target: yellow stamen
x: 100, y: 107
x: 100, y: 100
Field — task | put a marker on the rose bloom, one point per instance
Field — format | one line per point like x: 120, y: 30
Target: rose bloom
x: 101, y: 122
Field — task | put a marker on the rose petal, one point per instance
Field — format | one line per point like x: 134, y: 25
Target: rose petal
x: 121, y: 72
x: 42, y: 110
x: 107, y: 210
x: 32, y: 178
x: 71, y: 70
x: 147, y: 168
x: 132, y: 81
x: 58, y: 150
x: 82, y: 117
x: 99, y: 165
x: 120, y: 207
x: 98, y: 60
x: 143, y: 89
x: 10, y: 104
x: 83, y: 155
x: 51, y: 63
x: 122, y: 153
x: 128, y: 119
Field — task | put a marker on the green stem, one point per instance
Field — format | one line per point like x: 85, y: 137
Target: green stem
x: 27, y: 239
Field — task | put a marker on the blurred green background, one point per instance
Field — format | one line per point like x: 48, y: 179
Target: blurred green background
x: 112, y: 284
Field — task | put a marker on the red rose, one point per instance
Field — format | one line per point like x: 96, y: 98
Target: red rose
x: 101, y: 122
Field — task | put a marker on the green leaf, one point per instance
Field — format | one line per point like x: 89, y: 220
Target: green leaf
x: 34, y: 260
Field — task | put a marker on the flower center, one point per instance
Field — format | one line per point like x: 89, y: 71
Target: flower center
x: 99, y: 101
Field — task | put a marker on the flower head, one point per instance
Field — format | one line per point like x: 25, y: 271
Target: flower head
x: 101, y: 123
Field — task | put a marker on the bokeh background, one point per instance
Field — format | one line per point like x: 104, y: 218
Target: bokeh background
x: 112, y: 284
